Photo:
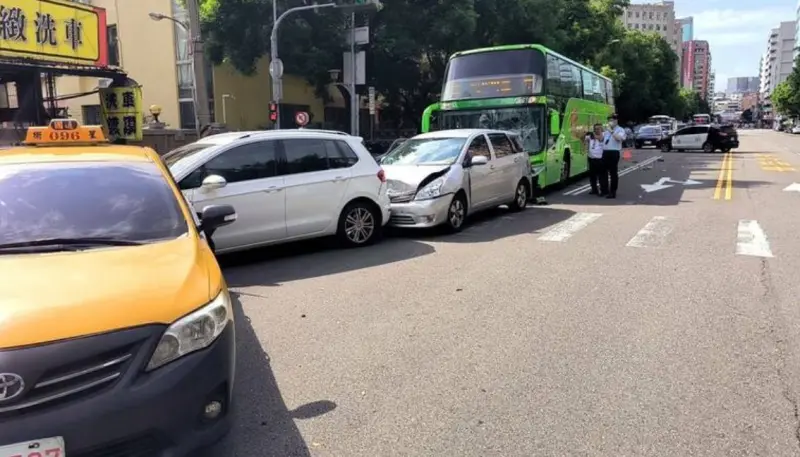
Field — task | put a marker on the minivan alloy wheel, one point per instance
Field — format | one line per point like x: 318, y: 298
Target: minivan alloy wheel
x: 522, y: 195
x: 456, y: 213
x: 359, y: 225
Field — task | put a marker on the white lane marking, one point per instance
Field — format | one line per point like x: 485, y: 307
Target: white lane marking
x: 564, y: 230
x: 586, y: 187
x: 751, y: 240
x: 653, y: 234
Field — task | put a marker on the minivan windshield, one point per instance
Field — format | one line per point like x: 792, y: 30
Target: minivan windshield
x: 120, y: 203
x: 425, y: 151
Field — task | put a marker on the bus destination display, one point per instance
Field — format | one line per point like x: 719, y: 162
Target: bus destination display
x: 506, y: 86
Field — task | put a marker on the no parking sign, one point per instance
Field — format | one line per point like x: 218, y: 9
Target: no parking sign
x: 301, y: 118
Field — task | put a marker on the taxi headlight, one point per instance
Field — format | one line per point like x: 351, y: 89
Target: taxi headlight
x: 193, y: 332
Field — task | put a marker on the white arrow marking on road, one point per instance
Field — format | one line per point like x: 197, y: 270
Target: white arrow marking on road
x: 751, y: 240
x: 658, y: 185
x: 793, y: 187
x: 662, y: 184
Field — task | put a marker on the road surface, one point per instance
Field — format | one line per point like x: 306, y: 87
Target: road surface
x: 661, y: 323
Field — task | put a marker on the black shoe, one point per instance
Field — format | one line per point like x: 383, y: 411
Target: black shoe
x: 594, y: 192
x: 611, y: 196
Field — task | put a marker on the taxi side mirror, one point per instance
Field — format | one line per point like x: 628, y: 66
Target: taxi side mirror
x: 212, y: 182
x: 215, y: 216
x: 555, y: 124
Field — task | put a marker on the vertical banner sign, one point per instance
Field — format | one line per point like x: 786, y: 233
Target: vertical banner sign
x: 371, y: 100
x: 122, y: 112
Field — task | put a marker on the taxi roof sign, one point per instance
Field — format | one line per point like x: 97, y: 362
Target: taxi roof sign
x: 64, y: 132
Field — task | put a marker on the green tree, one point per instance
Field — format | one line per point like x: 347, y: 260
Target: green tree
x: 646, y: 69
x: 785, y: 100
x: 785, y: 97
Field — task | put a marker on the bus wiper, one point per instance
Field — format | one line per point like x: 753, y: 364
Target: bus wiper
x: 70, y: 243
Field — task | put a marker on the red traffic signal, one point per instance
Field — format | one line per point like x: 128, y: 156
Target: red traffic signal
x: 273, y: 111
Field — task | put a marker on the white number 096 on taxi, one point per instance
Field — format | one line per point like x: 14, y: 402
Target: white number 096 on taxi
x: 46, y: 447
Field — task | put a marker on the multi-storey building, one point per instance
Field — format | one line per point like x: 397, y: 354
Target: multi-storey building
x: 655, y: 17
x: 685, y: 27
x: 742, y: 85
x: 777, y: 61
x: 696, y: 70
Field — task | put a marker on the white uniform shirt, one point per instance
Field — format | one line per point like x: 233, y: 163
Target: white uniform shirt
x: 611, y: 143
x: 595, y: 149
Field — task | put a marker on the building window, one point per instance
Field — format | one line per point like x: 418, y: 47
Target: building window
x: 91, y: 115
x: 187, y: 117
x: 658, y: 27
x: 637, y: 15
x: 630, y: 14
x: 113, y: 45
x: 651, y: 15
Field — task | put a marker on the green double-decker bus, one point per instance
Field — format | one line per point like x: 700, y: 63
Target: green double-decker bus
x: 548, y: 99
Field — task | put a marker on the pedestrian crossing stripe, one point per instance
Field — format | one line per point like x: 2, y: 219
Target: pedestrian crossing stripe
x: 751, y: 239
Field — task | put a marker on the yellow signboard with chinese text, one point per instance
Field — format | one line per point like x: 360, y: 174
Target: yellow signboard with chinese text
x: 122, y: 112
x: 53, y: 31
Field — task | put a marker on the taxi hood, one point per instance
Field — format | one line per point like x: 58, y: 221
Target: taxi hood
x: 54, y: 296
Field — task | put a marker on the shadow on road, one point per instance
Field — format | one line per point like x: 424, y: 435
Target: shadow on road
x: 492, y: 225
x: 313, y: 259
x: 263, y: 425
x: 677, y: 167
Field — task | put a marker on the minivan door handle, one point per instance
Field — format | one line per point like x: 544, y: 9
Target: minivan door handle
x: 338, y: 178
x: 272, y: 189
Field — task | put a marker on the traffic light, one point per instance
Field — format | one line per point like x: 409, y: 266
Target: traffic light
x: 273, y: 111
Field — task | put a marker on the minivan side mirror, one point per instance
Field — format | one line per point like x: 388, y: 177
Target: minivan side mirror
x: 212, y: 182
x: 555, y: 122
x: 215, y: 216
x: 478, y: 160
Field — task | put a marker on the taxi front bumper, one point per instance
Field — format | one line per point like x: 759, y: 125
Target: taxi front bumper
x: 163, y: 413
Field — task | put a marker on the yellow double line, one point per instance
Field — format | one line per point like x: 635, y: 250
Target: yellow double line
x: 725, y: 180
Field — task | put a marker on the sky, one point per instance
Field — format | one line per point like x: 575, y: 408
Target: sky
x: 736, y: 30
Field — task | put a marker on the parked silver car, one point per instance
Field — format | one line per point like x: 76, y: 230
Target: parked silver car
x: 443, y: 177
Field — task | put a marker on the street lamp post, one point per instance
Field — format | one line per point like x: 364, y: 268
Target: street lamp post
x: 276, y: 66
x: 199, y: 102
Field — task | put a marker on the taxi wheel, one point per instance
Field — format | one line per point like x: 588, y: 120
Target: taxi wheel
x: 520, y: 197
x: 359, y: 224
x: 708, y: 147
x: 665, y: 147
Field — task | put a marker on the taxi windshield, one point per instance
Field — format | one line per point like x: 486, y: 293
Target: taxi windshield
x: 118, y: 202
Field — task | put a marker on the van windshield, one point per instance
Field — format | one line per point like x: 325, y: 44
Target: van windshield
x: 425, y: 151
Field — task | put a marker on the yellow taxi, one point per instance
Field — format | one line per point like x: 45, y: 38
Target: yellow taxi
x: 116, y: 327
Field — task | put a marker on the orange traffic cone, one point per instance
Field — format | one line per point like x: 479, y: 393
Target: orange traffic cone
x: 627, y: 154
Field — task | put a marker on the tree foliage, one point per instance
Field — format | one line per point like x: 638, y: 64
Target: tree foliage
x: 412, y: 39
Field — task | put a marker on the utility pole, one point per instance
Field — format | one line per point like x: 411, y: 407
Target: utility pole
x: 276, y: 66
x: 352, y: 87
x: 199, y: 65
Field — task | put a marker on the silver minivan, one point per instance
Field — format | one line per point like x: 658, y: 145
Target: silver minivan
x: 442, y: 177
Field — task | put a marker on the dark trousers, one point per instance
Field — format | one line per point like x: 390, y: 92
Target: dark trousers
x: 611, y: 170
x: 597, y: 174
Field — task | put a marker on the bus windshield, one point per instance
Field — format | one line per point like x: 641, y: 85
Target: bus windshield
x: 526, y: 121
x: 492, y: 74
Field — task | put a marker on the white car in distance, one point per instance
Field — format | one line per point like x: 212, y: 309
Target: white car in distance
x: 285, y: 185
x: 443, y: 177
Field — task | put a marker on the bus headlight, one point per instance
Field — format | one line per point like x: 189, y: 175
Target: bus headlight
x: 432, y: 190
x: 193, y: 332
